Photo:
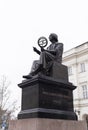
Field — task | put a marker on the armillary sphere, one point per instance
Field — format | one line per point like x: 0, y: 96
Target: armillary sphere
x: 42, y: 42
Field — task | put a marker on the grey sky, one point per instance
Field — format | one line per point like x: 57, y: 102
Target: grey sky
x: 22, y: 22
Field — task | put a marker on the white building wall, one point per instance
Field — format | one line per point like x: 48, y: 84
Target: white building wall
x: 74, y: 58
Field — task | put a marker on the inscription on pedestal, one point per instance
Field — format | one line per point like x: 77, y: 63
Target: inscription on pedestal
x: 56, y: 99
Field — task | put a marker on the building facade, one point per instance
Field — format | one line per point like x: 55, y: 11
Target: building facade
x: 77, y: 61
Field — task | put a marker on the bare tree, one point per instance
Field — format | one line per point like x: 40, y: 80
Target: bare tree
x: 7, y: 107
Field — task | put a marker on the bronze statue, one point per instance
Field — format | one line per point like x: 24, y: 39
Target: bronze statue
x: 47, y: 57
x: 47, y: 92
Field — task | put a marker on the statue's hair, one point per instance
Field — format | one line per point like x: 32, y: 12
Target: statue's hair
x: 53, y: 37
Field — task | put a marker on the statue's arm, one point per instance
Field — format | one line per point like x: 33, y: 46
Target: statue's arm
x: 36, y: 50
x: 59, y: 48
x: 52, y: 52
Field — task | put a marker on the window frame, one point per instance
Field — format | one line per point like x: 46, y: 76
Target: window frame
x: 84, y: 91
x: 82, y: 67
x: 70, y: 70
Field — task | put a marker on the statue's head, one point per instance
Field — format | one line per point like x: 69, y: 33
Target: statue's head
x: 53, y: 37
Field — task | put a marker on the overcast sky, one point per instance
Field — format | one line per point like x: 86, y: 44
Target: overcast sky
x: 22, y: 22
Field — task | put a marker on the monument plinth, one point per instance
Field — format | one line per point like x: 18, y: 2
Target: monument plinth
x: 48, y: 97
x: 47, y: 124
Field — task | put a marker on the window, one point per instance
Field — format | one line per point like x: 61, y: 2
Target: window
x: 70, y: 70
x: 82, y: 67
x: 85, y: 91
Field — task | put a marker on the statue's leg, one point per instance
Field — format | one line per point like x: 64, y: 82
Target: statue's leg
x: 45, y: 58
x: 34, y: 70
x: 43, y: 65
x: 35, y: 65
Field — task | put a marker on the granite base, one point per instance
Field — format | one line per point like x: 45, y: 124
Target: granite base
x: 46, y: 124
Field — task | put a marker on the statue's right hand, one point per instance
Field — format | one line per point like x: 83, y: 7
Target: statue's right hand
x: 34, y: 48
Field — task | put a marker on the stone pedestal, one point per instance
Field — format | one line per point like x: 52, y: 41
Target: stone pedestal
x: 44, y: 97
x: 47, y: 124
